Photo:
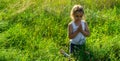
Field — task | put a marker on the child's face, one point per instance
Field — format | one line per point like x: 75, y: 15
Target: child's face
x: 78, y: 16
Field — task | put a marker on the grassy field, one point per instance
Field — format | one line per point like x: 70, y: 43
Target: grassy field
x: 35, y: 30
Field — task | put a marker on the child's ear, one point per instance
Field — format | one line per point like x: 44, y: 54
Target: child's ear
x: 83, y: 17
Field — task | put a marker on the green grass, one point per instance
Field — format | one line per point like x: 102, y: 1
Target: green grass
x: 35, y: 30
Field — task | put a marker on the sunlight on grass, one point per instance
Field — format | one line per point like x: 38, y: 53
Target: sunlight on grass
x: 36, y: 30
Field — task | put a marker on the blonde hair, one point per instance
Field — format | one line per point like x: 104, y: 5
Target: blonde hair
x: 76, y: 8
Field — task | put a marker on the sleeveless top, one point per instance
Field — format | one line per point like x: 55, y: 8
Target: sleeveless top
x: 79, y: 39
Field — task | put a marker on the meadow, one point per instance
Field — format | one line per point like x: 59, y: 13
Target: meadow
x: 36, y: 30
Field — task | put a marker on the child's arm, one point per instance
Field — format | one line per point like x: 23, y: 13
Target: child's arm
x: 86, y: 32
x: 70, y: 32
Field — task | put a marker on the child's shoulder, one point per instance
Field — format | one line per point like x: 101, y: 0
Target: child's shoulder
x: 83, y: 21
x: 70, y: 23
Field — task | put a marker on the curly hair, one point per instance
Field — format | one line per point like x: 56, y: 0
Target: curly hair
x: 76, y: 8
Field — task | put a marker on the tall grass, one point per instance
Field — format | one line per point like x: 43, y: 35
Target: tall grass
x: 35, y: 30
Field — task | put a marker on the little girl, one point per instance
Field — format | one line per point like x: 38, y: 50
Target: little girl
x: 77, y: 32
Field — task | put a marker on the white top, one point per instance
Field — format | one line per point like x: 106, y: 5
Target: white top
x: 79, y: 39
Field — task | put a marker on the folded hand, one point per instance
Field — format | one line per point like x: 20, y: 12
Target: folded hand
x: 80, y: 28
